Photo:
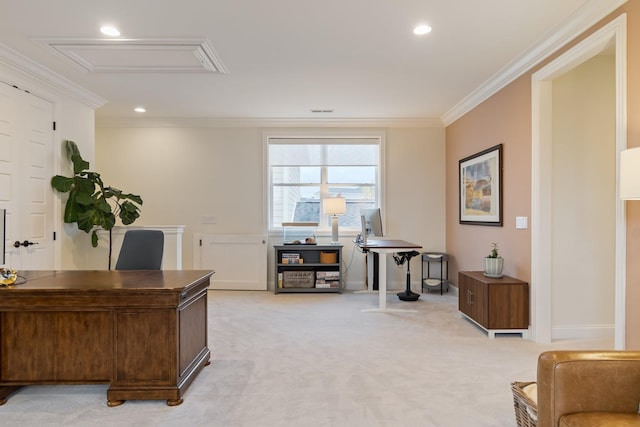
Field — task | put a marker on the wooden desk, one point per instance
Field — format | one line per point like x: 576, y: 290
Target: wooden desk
x: 385, y: 247
x: 142, y: 332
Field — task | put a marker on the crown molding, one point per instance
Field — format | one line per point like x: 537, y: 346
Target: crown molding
x: 214, y: 122
x: 584, y: 18
x: 47, y: 77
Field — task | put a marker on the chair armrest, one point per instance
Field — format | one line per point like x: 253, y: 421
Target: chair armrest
x: 583, y: 381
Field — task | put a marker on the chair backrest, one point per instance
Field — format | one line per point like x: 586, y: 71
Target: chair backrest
x: 141, y: 250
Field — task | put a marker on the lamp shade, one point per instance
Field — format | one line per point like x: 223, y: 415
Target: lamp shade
x: 630, y: 174
x: 334, y: 206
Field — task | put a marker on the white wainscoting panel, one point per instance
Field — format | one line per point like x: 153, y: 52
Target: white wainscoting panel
x: 171, y: 258
x: 239, y: 260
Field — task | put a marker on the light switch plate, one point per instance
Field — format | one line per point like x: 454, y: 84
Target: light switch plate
x: 522, y: 222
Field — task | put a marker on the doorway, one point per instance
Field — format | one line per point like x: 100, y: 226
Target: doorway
x: 26, y: 168
x: 544, y: 278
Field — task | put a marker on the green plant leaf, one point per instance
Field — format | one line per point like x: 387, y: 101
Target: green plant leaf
x: 84, y: 185
x: 83, y: 199
x: 108, y: 221
x: 62, y: 183
x: 135, y: 198
x: 128, y: 212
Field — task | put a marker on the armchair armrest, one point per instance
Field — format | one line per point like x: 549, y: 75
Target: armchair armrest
x: 587, y: 381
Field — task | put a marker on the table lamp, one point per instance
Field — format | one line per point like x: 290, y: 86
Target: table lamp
x: 334, y: 206
x: 630, y: 174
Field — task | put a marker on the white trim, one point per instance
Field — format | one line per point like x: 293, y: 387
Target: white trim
x: 229, y: 122
x: 74, y: 50
x: 621, y: 216
x: 43, y: 75
x: 541, y: 82
x: 566, y: 332
x: 587, y: 16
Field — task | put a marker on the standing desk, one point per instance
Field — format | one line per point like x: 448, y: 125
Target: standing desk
x: 383, y: 248
x: 142, y: 332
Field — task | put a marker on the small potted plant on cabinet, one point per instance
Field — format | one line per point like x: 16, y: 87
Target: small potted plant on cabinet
x: 493, y: 263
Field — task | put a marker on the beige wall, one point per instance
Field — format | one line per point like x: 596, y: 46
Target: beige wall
x: 506, y: 118
x: 584, y: 197
x: 484, y: 127
x: 184, y: 174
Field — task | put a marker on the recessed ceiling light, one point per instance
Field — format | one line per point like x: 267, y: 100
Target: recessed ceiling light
x: 140, y: 110
x: 109, y: 30
x: 421, y: 29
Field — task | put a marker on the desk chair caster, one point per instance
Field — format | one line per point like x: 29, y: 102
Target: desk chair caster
x: 400, y: 259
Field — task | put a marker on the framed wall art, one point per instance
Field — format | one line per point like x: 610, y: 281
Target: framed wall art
x: 481, y: 187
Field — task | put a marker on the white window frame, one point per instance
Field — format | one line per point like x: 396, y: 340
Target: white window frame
x: 323, y: 229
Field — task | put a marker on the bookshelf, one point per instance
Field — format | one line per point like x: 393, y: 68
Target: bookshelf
x: 308, y: 268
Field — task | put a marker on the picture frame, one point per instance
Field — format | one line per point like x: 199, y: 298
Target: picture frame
x: 480, y: 184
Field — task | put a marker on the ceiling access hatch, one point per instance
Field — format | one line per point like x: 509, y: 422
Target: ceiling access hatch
x: 139, y: 55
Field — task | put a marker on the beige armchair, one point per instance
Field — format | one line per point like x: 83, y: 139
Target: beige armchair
x: 588, y: 388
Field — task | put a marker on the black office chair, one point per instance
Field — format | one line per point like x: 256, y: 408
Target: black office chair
x: 141, y: 250
x: 400, y: 259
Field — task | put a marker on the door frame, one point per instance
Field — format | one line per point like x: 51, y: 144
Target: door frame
x: 615, y: 32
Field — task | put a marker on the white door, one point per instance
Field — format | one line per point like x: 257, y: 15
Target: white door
x: 26, y: 168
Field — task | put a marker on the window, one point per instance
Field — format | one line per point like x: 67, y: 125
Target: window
x: 303, y: 171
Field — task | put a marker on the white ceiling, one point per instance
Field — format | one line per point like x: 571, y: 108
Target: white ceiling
x: 284, y: 58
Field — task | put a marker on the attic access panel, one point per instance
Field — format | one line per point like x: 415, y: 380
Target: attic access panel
x: 138, y: 55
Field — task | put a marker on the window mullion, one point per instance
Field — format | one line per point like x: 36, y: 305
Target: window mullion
x: 324, y: 181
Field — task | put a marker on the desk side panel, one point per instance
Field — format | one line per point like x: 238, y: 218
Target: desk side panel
x: 193, y: 332
x: 55, y: 346
x: 144, y: 343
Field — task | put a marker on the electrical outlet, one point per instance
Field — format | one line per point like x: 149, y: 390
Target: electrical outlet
x: 209, y: 219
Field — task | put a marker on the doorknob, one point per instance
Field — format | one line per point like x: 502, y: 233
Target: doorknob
x: 26, y: 243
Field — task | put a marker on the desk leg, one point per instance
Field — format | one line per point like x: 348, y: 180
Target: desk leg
x: 382, y: 290
x: 382, y: 282
x: 372, y: 274
x: 5, y: 392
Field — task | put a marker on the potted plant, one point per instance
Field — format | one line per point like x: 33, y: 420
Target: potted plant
x: 493, y: 263
x: 91, y: 204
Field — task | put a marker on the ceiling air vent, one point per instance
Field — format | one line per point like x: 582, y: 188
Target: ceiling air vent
x: 139, y: 55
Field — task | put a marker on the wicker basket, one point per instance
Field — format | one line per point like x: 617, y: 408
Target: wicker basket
x: 526, y: 409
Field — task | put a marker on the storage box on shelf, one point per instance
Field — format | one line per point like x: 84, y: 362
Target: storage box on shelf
x: 308, y: 268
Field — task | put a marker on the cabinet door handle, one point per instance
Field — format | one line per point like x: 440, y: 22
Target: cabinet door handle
x: 469, y: 297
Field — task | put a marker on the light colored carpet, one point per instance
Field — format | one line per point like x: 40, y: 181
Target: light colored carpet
x: 316, y: 360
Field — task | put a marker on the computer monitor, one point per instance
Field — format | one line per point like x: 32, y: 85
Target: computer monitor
x: 371, y: 221
x: 3, y: 235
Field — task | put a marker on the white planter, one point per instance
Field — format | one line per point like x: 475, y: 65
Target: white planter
x: 493, y: 267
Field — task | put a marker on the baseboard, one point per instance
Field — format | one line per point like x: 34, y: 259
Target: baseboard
x: 582, y: 332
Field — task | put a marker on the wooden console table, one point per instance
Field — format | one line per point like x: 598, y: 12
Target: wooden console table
x: 496, y: 305
x: 142, y: 332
